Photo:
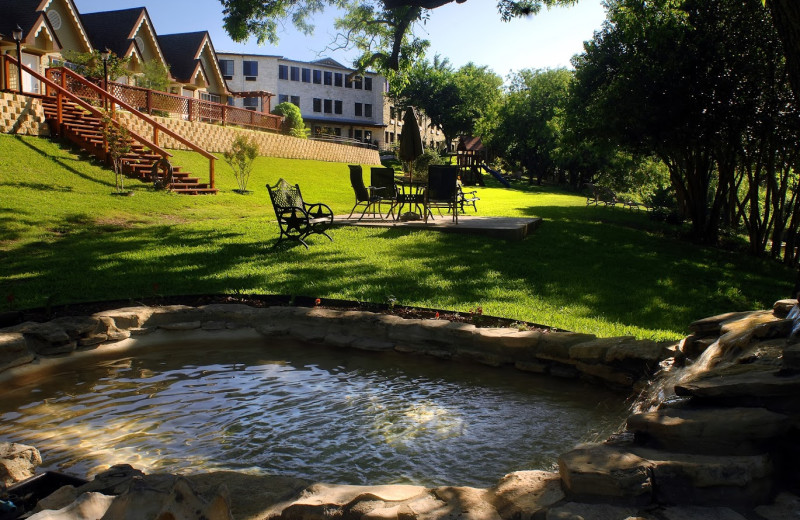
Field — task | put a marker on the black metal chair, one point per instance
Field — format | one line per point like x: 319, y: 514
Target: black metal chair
x: 297, y: 219
x: 363, y: 195
x: 465, y: 198
x: 382, y: 184
x: 442, y: 190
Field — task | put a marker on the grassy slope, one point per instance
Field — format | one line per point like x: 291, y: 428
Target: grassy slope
x: 608, y: 271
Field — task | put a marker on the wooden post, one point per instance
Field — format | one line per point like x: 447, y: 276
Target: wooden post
x: 224, y: 114
x: 211, y: 172
x: 155, y: 136
x: 149, y: 101
x: 190, y: 104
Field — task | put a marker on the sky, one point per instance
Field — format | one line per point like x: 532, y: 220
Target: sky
x: 466, y: 32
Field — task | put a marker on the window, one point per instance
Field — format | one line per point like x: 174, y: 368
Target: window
x: 295, y: 74
x: 226, y: 66
x: 337, y: 79
x: 337, y: 107
x: 367, y: 83
x: 317, y: 105
x: 317, y: 77
x: 251, y: 103
x: 328, y: 106
x: 358, y: 109
x: 367, y: 110
x: 348, y: 83
x: 250, y: 70
x: 357, y: 83
x: 231, y: 101
x: 392, y: 112
x: 306, y: 75
x: 296, y: 101
x: 358, y: 134
x: 328, y: 77
x: 283, y: 98
x: 283, y: 72
x: 386, y: 137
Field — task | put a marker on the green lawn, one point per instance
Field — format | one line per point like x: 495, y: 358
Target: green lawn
x: 608, y: 271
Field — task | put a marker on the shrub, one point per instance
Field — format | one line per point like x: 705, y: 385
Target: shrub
x: 241, y: 156
x: 293, y: 120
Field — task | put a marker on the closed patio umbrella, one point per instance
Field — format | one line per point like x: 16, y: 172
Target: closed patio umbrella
x: 410, y: 139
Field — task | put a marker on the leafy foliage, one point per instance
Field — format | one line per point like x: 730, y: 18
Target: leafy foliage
x: 118, y: 143
x: 293, y: 119
x: 241, y: 156
x: 90, y: 64
x: 155, y: 76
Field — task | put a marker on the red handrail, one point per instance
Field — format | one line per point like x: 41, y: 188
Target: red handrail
x: 106, y: 97
x: 61, y: 93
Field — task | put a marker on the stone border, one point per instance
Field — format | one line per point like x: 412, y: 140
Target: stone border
x: 729, y: 443
x: 622, y: 363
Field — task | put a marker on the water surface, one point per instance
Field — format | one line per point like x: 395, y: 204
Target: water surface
x: 324, y: 414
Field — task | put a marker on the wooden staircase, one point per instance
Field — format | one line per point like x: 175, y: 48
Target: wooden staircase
x: 85, y: 130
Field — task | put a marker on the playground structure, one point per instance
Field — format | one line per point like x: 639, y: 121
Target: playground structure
x: 471, y: 157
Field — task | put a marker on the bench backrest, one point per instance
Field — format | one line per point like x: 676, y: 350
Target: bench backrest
x: 284, y: 195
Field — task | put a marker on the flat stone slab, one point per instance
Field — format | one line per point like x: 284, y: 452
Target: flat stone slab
x: 508, y: 228
x: 760, y: 383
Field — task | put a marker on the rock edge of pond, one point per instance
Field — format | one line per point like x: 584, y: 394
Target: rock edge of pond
x: 711, y: 434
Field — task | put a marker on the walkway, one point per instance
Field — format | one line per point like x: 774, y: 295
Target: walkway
x: 508, y: 228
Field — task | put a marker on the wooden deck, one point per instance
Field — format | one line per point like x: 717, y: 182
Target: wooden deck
x: 507, y: 228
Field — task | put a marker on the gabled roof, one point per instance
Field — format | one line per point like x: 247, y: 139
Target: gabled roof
x: 31, y: 17
x: 114, y: 30
x: 329, y: 62
x: 183, y: 52
x: 470, y: 143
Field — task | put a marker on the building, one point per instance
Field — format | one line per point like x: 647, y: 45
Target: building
x: 331, y: 102
x: 194, y: 67
x: 432, y: 137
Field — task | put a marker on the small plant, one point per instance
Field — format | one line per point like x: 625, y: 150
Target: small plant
x: 118, y: 144
x: 391, y: 301
x: 241, y: 156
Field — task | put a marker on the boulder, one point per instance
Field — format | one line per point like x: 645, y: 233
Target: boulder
x: 321, y: 501
x: 782, y: 307
x: 78, y: 327
x: 644, y: 353
x: 17, y: 463
x: 46, y: 339
x: 693, y: 345
x: 463, y: 502
x: 606, y: 473
x: 711, y: 430
x: 109, y: 328
x: 522, y: 494
x: 595, y: 351
x: 699, y: 513
x: 168, y: 497
x: 752, y: 383
x: 578, y: 511
x: 128, y: 317
x: 555, y: 346
x: 707, y: 480
x: 89, y: 506
x: 785, y: 506
x: 14, y: 350
x: 712, y: 325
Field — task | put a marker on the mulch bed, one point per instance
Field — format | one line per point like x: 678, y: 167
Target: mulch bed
x: 476, y: 316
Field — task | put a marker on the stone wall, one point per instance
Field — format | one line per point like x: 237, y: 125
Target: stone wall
x: 217, y: 139
x: 22, y: 115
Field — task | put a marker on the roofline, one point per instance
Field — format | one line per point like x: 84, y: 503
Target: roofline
x: 280, y: 57
x: 76, y: 18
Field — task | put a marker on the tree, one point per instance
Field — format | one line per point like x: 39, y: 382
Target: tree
x: 529, y: 126
x: 90, y: 64
x: 241, y: 156
x: 118, y: 144
x: 293, y: 119
x: 456, y: 101
x: 155, y: 76
x: 382, y: 30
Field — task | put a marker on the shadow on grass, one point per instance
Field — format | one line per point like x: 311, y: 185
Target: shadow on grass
x: 63, y: 162
x: 600, y: 270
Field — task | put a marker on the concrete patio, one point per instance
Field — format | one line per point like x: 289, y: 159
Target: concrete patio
x: 508, y: 228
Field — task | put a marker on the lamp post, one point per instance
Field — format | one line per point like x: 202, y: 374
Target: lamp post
x: 17, y: 35
x: 105, y: 55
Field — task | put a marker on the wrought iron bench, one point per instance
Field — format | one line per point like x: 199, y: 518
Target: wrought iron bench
x: 297, y: 219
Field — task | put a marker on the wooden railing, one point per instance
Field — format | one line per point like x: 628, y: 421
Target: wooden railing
x: 189, y: 109
x: 72, y: 85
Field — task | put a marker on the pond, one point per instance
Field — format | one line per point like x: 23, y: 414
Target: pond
x: 319, y: 413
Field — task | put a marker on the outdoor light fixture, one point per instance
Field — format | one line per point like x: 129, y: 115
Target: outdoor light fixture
x: 17, y: 35
x: 105, y: 55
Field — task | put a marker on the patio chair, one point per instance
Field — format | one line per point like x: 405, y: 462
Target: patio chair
x: 465, y: 198
x: 382, y: 184
x: 363, y: 195
x: 442, y: 190
x: 297, y: 219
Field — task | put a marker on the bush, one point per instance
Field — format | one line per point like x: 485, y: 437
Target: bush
x: 429, y: 156
x: 293, y: 120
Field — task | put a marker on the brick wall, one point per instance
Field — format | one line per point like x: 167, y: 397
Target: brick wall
x: 22, y: 115
x: 217, y: 139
